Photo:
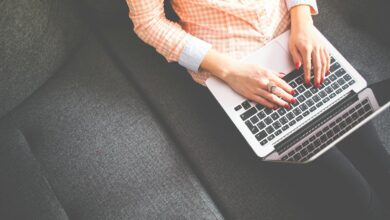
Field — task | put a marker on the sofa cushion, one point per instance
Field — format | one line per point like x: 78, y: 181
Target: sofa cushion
x: 103, y: 152
x: 24, y: 190
x: 36, y: 38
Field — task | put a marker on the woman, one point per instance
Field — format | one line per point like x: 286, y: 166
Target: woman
x: 212, y: 37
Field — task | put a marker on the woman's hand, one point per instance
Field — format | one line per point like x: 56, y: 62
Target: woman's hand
x: 251, y: 81
x: 306, y: 47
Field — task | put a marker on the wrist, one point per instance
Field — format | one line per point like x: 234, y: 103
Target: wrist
x: 218, y: 64
x: 300, y: 17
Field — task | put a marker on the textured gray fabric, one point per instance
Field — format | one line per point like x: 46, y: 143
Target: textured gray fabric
x: 226, y: 164
x: 24, y: 190
x: 345, y: 24
x: 36, y: 37
x: 104, y: 155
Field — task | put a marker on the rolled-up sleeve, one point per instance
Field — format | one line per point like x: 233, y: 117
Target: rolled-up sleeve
x: 167, y: 37
x: 311, y: 3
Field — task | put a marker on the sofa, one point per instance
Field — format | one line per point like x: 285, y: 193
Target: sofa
x: 94, y: 124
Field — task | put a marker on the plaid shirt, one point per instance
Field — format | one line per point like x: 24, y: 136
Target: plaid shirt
x: 233, y: 27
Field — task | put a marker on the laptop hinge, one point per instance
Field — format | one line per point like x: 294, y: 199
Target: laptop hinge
x: 316, y: 122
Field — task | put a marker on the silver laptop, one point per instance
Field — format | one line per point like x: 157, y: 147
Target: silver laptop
x: 320, y: 119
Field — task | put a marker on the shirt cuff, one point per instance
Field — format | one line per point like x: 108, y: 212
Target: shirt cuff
x: 311, y: 3
x: 193, y: 53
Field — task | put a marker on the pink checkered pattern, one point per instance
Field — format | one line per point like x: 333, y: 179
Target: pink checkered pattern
x: 233, y: 27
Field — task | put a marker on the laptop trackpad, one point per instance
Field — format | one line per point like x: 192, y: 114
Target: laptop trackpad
x: 272, y: 56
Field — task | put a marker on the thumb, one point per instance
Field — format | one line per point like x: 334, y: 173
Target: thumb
x: 296, y: 56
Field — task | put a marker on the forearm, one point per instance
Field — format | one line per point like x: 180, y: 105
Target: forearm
x: 300, y: 17
x: 218, y: 64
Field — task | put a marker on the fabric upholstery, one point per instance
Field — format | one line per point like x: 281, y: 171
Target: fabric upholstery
x: 207, y: 136
x: 36, y: 39
x: 104, y: 154
x: 24, y: 190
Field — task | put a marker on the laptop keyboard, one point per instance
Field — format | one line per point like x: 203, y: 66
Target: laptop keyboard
x: 329, y: 133
x: 266, y: 124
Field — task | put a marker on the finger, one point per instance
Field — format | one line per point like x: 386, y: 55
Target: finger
x: 316, y: 58
x: 327, y: 56
x: 263, y: 101
x: 284, y: 95
x: 297, y: 59
x: 282, y: 84
x: 272, y: 98
x: 306, y: 54
x: 324, y: 61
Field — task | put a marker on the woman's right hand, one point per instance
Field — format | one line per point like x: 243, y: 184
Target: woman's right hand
x: 251, y: 81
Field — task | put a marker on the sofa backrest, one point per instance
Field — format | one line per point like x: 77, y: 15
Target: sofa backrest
x: 36, y: 38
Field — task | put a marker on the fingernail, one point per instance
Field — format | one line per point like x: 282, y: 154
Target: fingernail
x: 298, y: 65
x: 308, y: 83
x: 317, y: 85
x: 293, y: 101
x: 287, y: 106
x: 275, y: 107
x: 292, y: 92
x: 322, y: 80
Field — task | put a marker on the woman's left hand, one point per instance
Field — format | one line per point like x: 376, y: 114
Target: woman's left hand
x: 306, y: 47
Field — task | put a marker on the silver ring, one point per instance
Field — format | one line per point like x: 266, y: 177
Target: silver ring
x: 271, y: 87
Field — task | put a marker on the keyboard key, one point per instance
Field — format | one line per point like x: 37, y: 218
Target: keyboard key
x: 367, y: 107
x: 347, y: 77
x: 345, y: 86
x: 238, y: 107
x: 303, y: 107
x: 297, y: 157
x: 328, y: 90
x: 335, y: 85
x: 329, y: 134
x: 334, y: 67
x: 254, y: 119
x: 332, y: 78
x: 332, y: 60
x: 278, y: 132
x: 312, y: 109
x: 351, y: 82
x: 340, y: 72
x: 248, y: 114
x: 271, y: 137
x: 341, y: 81
x: 319, y: 104
x: 365, y: 101
x: 264, y: 142
x: 306, y: 113
x: 326, y: 99
x: 285, y: 127
x: 299, y: 118
x: 309, y: 102
x: 332, y: 124
x: 268, y: 111
x: 297, y: 111
x: 291, y: 123
x: 251, y: 127
x: 274, y: 116
x: 338, y: 91
x: 282, y: 111
x: 299, y: 80
x: 261, y: 125
x: 332, y: 95
x: 318, y: 133
x: 312, y: 138
x: 283, y: 120
x: 293, y: 84
x: 316, y: 98
x: 261, y: 115
x: 270, y: 129
x: 310, y: 147
x: 261, y: 135
x: 326, y: 81
x: 290, y: 115
x: 246, y: 105
x: 276, y: 125
x: 268, y: 120
x: 285, y: 157
x: 317, y: 143
x: 314, y: 90
x: 323, y: 138
x: 259, y: 107
x: 300, y: 89
x: 301, y: 98
x: 307, y: 94
x: 322, y: 94
x: 291, y: 153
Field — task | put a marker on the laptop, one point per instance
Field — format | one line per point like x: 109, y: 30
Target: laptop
x: 318, y: 121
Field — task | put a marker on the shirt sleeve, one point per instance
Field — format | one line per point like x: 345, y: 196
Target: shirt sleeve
x: 167, y: 37
x: 311, y: 3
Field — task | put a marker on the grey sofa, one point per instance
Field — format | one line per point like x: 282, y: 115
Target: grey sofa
x: 95, y: 125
